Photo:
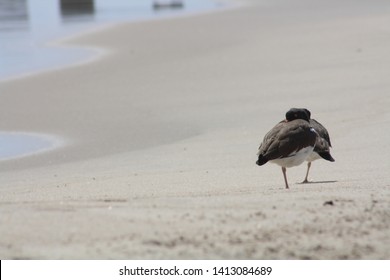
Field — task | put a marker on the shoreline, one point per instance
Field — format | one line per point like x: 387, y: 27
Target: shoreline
x: 101, y: 52
x: 165, y: 131
x: 95, y: 52
x: 24, y: 144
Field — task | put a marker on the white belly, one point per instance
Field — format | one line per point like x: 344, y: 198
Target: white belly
x: 294, y: 159
x: 313, y: 156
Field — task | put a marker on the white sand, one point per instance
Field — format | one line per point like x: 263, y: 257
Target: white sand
x: 162, y: 131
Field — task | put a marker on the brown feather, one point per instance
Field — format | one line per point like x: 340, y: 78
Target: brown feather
x: 285, y: 139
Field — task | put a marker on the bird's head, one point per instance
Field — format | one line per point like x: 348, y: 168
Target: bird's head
x: 298, y: 113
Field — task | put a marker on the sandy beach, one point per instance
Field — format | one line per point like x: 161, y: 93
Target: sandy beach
x: 160, y: 132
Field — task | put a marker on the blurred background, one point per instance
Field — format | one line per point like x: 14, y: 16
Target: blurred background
x: 26, y: 27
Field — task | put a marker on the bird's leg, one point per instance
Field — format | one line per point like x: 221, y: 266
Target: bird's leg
x: 307, y: 173
x: 285, y: 177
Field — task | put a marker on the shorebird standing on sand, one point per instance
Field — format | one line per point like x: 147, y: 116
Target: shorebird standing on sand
x: 290, y: 142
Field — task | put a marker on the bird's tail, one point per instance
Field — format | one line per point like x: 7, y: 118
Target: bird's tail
x: 326, y: 155
x: 261, y: 160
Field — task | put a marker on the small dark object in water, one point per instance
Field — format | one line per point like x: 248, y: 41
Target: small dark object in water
x: 330, y: 202
x: 167, y: 5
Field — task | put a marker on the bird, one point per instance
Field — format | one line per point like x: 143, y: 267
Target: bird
x: 289, y: 142
x: 321, y: 149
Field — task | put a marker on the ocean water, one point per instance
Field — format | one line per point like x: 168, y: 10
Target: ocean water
x: 28, y: 26
x: 14, y: 145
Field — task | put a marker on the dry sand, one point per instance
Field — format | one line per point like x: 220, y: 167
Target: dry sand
x: 161, y: 133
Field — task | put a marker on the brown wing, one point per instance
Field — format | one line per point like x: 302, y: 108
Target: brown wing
x: 285, y: 139
x: 321, y: 145
x: 321, y: 130
x: 323, y: 141
x: 270, y: 137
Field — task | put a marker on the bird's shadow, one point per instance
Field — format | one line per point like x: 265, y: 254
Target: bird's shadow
x: 318, y: 182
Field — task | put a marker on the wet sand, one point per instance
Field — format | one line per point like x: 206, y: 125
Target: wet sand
x: 161, y: 131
